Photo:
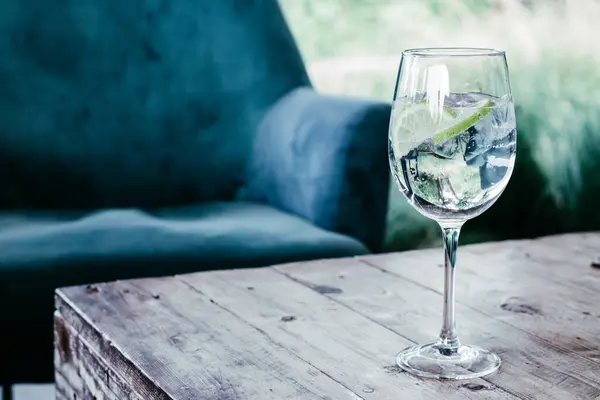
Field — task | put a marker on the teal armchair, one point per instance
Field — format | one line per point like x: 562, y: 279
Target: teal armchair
x: 157, y: 137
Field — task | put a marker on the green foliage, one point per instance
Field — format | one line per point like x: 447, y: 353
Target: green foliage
x: 442, y: 7
x: 327, y: 28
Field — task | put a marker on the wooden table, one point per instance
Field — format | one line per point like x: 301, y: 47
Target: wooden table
x: 331, y: 329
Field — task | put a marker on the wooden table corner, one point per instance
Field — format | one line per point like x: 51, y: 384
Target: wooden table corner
x: 330, y: 329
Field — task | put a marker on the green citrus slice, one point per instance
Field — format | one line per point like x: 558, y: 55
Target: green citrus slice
x: 464, y: 122
x: 416, y: 122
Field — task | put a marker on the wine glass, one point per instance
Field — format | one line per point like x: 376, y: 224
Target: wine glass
x: 452, y: 144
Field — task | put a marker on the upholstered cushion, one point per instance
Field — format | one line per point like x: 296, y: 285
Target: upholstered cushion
x: 325, y: 158
x: 101, y: 102
x: 40, y: 252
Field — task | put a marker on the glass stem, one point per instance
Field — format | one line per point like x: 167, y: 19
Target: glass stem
x: 448, y: 336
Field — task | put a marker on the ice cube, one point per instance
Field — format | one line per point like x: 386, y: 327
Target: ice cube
x: 451, y: 147
x: 504, y: 147
x: 426, y: 146
x: 410, y: 169
x: 500, y: 116
x: 466, y: 99
x: 447, y: 193
x: 476, y: 147
x: 453, y: 100
x: 494, y: 162
x: 486, y: 140
x: 490, y: 175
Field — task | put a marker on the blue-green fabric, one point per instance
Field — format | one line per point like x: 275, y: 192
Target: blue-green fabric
x: 103, y: 101
x: 41, y: 251
x: 118, y: 107
x: 325, y: 158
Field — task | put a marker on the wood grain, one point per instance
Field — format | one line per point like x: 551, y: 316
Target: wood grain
x: 344, y: 345
x: 545, y: 287
x: 330, y: 329
x: 170, y: 342
x: 531, y: 368
x: 85, y: 370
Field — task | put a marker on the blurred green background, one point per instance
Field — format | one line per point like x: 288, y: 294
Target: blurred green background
x: 352, y: 47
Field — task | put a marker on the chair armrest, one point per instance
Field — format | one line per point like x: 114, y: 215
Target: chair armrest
x: 324, y: 158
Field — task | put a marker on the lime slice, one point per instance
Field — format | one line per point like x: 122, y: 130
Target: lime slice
x: 463, y: 123
x: 416, y: 123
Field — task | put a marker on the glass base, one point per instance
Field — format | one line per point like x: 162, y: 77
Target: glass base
x: 439, y: 361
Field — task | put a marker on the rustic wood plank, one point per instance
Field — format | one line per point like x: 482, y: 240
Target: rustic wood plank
x: 66, y: 360
x: 557, y: 297
x: 332, y: 338
x: 99, y: 343
x: 59, y: 396
x: 64, y: 389
x: 169, y: 341
x: 78, y: 366
x: 532, y: 368
x: 567, y: 257
x: 331, y: 328
x: 545, y: 286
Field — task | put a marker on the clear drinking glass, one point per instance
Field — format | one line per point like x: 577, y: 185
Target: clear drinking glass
x: 452, y: 144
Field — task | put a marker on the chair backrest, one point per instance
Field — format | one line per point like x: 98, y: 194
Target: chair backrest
x: 135, y: 102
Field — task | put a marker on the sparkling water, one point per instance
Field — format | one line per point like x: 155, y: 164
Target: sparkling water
x: 461, y: 177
